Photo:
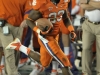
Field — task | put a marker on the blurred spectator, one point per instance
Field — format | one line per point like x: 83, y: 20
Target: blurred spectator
x: 91, y: 33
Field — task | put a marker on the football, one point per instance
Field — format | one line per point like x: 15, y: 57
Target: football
x: 43, y: 24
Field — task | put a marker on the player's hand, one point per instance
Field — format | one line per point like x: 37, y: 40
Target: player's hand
x: 23, y: 24
x: 46, y: 31
x: 72, y: 35
x: 43, y: 32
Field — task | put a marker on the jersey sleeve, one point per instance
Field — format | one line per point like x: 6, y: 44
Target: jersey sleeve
x: 38, y: 3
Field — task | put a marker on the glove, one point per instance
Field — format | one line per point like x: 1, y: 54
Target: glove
x: 72, y: 35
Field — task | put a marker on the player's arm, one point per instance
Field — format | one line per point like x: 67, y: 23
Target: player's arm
x: 32, y: 17
x: 95, y: 4
x: 91, y: 5
x: 87, y: 7
x: 68, y: 24
x: 67, y: 21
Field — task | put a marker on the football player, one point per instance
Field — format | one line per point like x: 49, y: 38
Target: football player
x: 65, y: 39
x: 65, y: 31
x: 55, y: 11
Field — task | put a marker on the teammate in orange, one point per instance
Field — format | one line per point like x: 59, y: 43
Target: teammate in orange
x: 12, y: 13
x: 55, y: 11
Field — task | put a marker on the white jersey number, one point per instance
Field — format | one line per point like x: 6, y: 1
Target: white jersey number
x: 34, y: 2
x: 56, y: 17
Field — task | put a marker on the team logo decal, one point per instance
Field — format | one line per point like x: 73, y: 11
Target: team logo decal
x: 50, y: 8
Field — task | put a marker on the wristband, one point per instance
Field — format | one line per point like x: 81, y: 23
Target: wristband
x: 36, y: 29
x: 70, y: 28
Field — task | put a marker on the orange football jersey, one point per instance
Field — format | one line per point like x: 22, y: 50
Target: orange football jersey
x: 51, y: 11
x: 14, y: 10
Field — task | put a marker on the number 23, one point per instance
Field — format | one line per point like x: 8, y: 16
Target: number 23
x: 53, y: 16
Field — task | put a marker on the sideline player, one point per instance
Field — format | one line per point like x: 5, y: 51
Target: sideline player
x: 12, y: 13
